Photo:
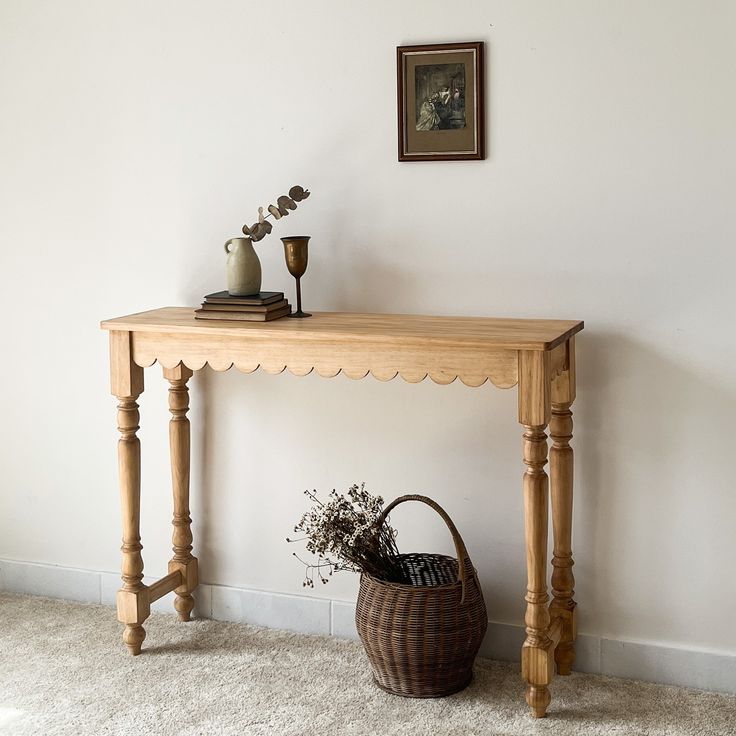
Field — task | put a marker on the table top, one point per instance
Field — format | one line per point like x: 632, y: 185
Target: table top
x: 487, y: 332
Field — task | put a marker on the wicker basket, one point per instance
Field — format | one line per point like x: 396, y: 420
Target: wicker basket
x: 422, y: 639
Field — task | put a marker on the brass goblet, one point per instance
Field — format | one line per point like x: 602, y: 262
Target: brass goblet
x: 297, y: 253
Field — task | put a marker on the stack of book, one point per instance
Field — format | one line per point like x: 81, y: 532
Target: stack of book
x: 262, y: 307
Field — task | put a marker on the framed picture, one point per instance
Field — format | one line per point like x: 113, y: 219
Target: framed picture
x: 440, y: 102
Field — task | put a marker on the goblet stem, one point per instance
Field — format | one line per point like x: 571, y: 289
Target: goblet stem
x: 299, y: 312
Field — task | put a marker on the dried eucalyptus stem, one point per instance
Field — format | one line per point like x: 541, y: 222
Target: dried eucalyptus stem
x: 284, y: 203
x: 343, y: 534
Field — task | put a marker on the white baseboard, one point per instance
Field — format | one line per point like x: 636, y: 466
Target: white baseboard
x: 636, y: 660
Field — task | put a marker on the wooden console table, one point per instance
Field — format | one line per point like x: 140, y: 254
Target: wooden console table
x: 538, y: 355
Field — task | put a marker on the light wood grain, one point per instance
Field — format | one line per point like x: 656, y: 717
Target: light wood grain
x: 563, y: 605
x: 539, y: 355
x: 164, y: 585
x: 126, y: 377
x: 511, y: 334
x: 537, y: 654
x: 535, y: 390
x: 473, y: 349
x: 127, y: 384
x: 179, y: 441
x: 384, y: 359
x: 563, y: 373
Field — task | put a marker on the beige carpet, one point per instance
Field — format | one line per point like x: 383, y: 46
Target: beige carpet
x: 64, y: 670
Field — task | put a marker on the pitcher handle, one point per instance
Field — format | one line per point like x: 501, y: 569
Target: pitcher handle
x: 227, y: 250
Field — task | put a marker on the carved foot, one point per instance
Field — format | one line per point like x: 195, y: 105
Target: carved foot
x: 184, y: 603
x: 133, y: 637
x: 538, y: 698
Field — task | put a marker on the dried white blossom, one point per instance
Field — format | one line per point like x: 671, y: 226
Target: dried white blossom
x: 344, y: 534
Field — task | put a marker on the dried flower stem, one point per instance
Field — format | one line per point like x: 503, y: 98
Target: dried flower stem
x: 344, y: 534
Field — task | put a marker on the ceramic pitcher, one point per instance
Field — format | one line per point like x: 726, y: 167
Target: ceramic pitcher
x: 243, y: 267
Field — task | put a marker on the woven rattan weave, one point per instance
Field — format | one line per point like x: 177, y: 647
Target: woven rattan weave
x: 422, y: 638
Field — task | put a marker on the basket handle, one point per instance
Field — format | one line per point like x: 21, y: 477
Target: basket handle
x: 460, y: 549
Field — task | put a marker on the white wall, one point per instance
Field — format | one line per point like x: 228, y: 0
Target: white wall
x: 136, y: 137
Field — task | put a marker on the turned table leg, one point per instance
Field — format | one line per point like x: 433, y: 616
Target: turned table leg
x: 563, y: 581
x: 179, y: 441
x: 127, y: 384
x: 537, y: 654
x: 561, y: 472
x: 537, y: 649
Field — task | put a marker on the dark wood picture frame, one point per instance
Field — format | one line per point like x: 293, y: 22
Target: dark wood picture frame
x: 417, y: 140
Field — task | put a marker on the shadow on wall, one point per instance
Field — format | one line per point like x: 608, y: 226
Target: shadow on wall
x: 201, y: 485
x: 650, y: 436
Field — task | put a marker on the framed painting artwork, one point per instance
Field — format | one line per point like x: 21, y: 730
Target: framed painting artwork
x: 440, y: 102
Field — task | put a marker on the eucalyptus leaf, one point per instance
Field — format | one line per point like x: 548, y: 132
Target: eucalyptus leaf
x: 284, y: 203
x: 259, y: 231
x: 298, y: 193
